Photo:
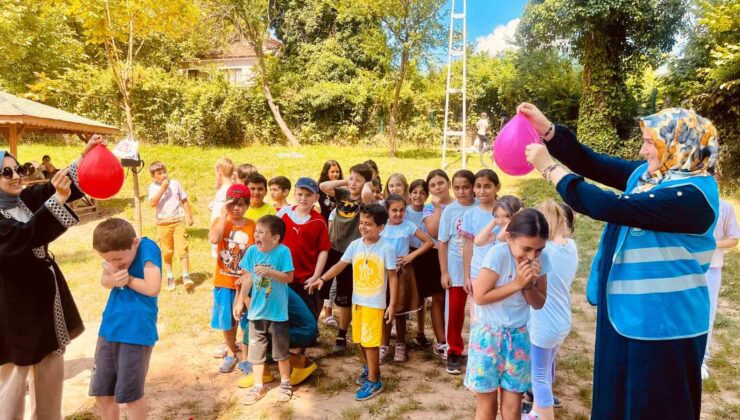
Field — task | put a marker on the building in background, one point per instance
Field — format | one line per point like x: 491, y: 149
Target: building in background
x: 235, y: 63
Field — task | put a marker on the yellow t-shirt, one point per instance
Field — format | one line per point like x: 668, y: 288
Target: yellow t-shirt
x: 254, y: 213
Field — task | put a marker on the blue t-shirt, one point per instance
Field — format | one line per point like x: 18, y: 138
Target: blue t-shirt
x: 129, y: 316
x: 512, y: 312
x: 473, y: 221
x: 450, y: 230
x: 416, y: 217
x: 269, y: 296
x: 399, y: 236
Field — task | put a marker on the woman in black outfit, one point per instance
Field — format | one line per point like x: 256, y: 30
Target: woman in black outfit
x: 38, y: 316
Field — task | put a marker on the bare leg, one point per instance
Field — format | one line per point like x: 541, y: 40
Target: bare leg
x: 185, y: 263
x: 345, y: 317
x: 284, y: 367
x: 372, y: 355
x: 511, y: 403
x: 487, y: 405
x: 421, y: 318
x: 258, y: 372
x: 386, y: 339
x: 136, y: 410
x: 438, y: 316
x: 107, y: 408
x: 230, y: 337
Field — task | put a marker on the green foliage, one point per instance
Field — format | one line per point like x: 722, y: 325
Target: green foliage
x: 707, y: 78
x: 612, y: 39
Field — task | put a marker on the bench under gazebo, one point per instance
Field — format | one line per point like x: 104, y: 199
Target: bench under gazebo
x: 19, y: 116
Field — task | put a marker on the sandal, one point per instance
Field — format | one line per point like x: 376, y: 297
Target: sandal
x: 229, y: 364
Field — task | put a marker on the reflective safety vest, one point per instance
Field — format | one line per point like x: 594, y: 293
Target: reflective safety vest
x: 657, y: 287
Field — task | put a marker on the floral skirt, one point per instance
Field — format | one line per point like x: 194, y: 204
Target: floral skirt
x: 498, y: 358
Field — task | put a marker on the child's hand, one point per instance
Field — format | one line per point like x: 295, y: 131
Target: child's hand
x: 120, y: 278
x: 524, y: 274
x: 238, y: 311
x: 446, y: 281
x: 403, y: 261
x: 314, y: 286
x: 390, y: 313
x: 263, y: 271
x: 436, y: 201
x: 468, y: 286
x: 191, y: 221
x: 165, y: 183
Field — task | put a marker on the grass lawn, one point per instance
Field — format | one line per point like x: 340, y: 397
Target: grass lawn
x: 182, y: 382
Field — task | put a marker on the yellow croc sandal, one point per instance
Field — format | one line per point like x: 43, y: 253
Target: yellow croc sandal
x: 299, y: 375
x: 248, y: 380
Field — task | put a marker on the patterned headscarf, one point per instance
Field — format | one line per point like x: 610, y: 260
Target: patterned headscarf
x: 686, y: 142
x: 7, y: 201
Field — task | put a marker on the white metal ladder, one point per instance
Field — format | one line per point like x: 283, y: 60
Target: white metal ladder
x: 456, y: 50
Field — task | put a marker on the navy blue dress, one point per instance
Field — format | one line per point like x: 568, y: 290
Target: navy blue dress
x: 634, y: 379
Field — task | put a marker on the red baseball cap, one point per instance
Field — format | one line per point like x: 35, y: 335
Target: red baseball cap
x: 237, y: 191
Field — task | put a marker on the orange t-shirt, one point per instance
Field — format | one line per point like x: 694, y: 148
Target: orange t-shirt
x: 231, y: 250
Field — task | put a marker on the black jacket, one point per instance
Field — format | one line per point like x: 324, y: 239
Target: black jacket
x: 27, y: 332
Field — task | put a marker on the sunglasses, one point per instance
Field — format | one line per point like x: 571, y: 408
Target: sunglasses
x: 20, y: 170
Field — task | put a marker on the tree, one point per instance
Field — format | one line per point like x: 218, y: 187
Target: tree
x: 612, y: 39
x: 413, y: 27
x: 251, y: 19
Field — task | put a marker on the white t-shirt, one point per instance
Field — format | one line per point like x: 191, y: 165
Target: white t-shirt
x: 725, y: 228
x: 474, y: 220
x: 219, y: 200
x: 415, y: 217
x: 482, y: 126
x: 512, y: 312
x: 169, y: 208
x: 370, y: 265
x: 549, y: 326
x: 399, y: 236
x: 450, y: 230
x: 293, y: 216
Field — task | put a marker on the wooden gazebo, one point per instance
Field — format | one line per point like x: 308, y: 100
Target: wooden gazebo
x: 19, y: 116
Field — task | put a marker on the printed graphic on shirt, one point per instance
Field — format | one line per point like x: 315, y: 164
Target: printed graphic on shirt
x: 348, y: 208
x: 369, y: 274
x: 459, y: 241
x: 232, y: 253
x: 263, y: 283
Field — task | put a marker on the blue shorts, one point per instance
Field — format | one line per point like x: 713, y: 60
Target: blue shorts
x: 223, y: 307
x: 498, y: 358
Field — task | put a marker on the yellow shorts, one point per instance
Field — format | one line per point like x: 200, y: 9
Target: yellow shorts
x: 367, y: 325
x: 173, y: 240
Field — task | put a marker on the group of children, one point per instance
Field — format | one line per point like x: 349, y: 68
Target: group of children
x: 378, y: 255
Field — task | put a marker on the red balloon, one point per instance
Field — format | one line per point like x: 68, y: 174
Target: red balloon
x: 508, y: 149
x: 100, y: 173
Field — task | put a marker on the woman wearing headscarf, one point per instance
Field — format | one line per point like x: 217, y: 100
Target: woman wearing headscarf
x: 38, y: 316
x: 648, y: 275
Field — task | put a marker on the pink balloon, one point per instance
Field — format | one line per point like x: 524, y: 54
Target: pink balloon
x: 508, y: 149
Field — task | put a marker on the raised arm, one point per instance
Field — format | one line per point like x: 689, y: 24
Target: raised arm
x: 328, y: 187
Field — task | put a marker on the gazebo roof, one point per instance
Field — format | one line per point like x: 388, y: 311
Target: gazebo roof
x: 28, y: 115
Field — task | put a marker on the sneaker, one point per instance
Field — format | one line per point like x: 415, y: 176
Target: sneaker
x: 385, y: 355
x: 369, y: 390
x: 170, y: 284
x: 284, y: 392
x: 530, y: 416
x: 245, y: 367
x: 704, y: 372
x: 441, y: 350
x: 330, y: 321
x: 228, y: 365
x: 254, y: 394
x: 220, y: 352
x: 362, y: 378
x: 399, y: 355
x: 248, y: 380
x: 298, y: 375
x: 189, y: 284
x: 453, y: 364
x: 421, y: 341
x: 340, y: 345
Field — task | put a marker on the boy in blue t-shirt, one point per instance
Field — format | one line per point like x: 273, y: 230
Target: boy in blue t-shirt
x: 132, y: 270
x: 269, y: 269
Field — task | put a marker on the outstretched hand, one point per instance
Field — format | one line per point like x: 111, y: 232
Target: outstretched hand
x: 94, y: 141
x: 538, y: 156
x: 63, y: 185
x: 536, y: 118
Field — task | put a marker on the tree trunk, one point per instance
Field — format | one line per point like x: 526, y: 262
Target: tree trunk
x: 396, y: 99
x: 603, y: 93
x: 292, y: 140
